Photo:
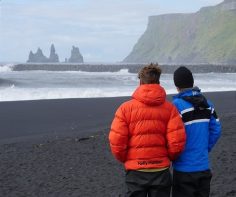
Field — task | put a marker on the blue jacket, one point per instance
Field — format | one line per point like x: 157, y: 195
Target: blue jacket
x: 202, y: 127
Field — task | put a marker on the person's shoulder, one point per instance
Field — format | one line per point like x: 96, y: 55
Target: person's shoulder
x: 128, y: 102
x: 126, y: 105
x: 169, y: 105
x: 177, y: 101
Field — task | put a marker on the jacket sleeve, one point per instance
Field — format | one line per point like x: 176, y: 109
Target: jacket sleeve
x: 118, y: 136
x: 176, y: 136
x: 214, y: 129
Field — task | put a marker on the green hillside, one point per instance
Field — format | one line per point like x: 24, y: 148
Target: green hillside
x: 208, y: 36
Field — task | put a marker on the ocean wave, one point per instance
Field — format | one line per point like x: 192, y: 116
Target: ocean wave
x: 6, y: 67
x: 13, y: 93
x: 38, y: 85
x: 7, y: 83
x: 120, y: 72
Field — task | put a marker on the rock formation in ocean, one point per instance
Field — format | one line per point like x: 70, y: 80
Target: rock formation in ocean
x: 76, y: 56
x: 37, y: 57
x: 207, y: 36
x: 53, y: 56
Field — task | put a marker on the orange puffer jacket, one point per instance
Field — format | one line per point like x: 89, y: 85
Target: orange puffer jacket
x: 147, y: 131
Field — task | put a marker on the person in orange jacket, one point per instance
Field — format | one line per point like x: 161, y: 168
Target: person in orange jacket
x: 147, y: 133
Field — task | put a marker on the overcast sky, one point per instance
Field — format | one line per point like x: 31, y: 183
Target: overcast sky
x: 104, y: 30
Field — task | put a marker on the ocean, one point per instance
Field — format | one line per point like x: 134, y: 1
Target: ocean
x: 35, y: 85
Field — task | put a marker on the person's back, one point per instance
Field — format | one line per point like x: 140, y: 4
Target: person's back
x: 192, y: 175
x: 146, y: 133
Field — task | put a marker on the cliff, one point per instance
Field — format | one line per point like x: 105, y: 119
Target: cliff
x: 205, y: 37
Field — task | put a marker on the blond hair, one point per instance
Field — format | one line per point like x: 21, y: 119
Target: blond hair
x: 150, y: 74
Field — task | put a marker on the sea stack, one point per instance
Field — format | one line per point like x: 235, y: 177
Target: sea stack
x: 53, y: 56
x: 76, y: 56
x: 37, y: 57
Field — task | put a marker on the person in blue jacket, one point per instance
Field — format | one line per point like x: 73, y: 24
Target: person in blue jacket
x: 191, y: 170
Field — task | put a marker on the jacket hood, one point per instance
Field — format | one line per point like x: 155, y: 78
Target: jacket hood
x: 150, y: 94
x: 188, y: 92
x: 194, y: 97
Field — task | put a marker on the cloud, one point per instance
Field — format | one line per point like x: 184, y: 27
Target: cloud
x: 104, y: 29
x: 213, y: 2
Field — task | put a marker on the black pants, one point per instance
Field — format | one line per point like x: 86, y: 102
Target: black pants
x: 151, y: 184
x: 191, y: 184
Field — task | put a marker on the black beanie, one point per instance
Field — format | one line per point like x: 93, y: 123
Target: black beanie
x: 183, y: 78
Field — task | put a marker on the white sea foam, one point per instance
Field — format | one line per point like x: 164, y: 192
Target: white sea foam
x: 34, y: 85
x: 6, y: 68
x: 11, y: 93
x: 120, y: 72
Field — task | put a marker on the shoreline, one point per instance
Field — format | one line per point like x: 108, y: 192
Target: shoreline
x: 61, y: 117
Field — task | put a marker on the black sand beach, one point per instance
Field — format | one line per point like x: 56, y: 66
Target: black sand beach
x: 60, y: 148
